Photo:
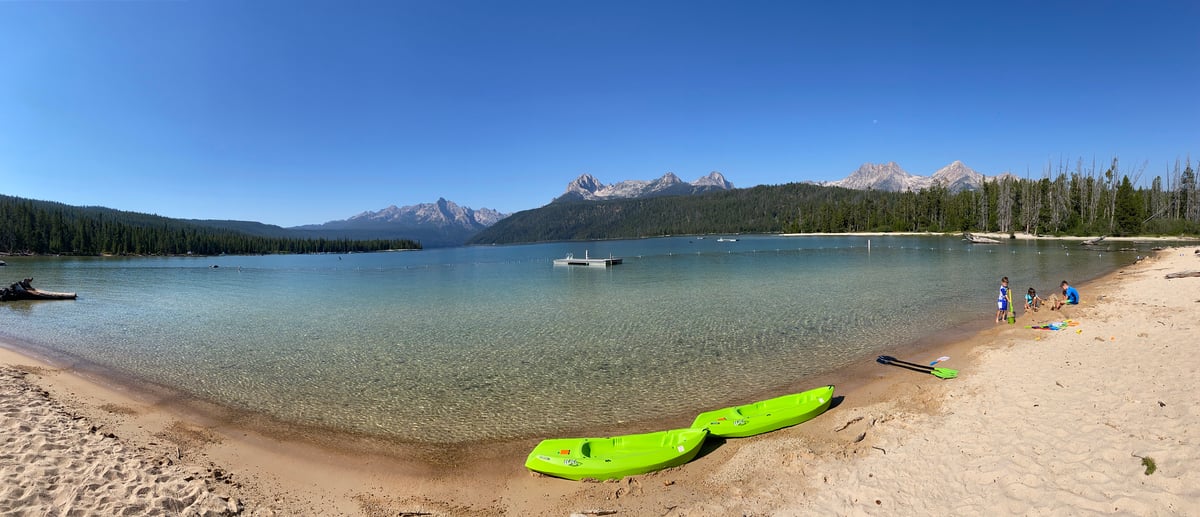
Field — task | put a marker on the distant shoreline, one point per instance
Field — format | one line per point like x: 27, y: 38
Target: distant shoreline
x: 1000, y: 236
x: 200, y: 255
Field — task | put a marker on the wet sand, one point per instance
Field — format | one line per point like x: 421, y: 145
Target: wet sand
x: 1037, y: 421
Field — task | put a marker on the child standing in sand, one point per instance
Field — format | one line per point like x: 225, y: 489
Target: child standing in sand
x: 1032, y: 300
x: 1002, y: 302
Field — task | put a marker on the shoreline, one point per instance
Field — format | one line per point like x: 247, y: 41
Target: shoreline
x: 267, y: 475
x: 1003, y: 236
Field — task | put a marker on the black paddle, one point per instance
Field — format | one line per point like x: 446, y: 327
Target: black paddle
x: 942, y: 373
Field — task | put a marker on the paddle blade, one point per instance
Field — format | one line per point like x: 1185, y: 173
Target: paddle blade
x: 885, y: 359
x: 944, y: 373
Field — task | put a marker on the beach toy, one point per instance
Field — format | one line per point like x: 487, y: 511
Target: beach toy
x: 941, y: 373
x: 1057, y: 325
x: 1012, y: 315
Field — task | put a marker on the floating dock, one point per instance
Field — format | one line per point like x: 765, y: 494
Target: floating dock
x: 570, y: 260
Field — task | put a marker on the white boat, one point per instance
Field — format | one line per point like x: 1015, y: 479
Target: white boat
x: 723, y: 239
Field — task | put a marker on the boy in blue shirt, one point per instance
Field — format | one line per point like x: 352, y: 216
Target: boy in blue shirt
x: 1070, y: 296
x: 1002, y: 302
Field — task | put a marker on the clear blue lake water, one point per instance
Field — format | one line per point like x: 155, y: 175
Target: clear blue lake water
x: 447, y: 345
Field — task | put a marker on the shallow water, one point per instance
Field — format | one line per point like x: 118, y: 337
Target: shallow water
x: 485, y: 343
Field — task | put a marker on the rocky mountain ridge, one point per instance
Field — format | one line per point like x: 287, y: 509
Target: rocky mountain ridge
x: 891, y: 177
x: 440, y: 213
x: 587, y: 187
x: 442, y: 223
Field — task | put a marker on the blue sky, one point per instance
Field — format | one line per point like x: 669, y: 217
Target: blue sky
x: 300, y: 112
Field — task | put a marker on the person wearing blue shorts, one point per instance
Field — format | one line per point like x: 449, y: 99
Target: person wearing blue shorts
x: 1002, y: 302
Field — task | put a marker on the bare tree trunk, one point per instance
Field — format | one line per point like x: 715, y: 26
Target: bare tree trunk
x: 983, y: 210
x: 1173, y: 189
x: 1112, y: 178
x: 1193, y: 204
x: 1097, y: 188
x: 1060, y: 199
x: 1031, y: 204
x: 1004, y: 206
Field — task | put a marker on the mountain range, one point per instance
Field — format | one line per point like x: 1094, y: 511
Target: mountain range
x: 445, y: 223
x: 442, y: 223
x: 587, y: 187
x: 890, y: 177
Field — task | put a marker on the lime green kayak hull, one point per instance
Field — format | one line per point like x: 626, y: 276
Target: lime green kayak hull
x: 767, y: 415
x: 615, y: 457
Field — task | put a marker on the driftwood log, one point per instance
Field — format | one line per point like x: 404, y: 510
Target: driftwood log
x: 978, y: 239
x: 1184, y: 274
x: 24, y: 290
x: 1093, y: 242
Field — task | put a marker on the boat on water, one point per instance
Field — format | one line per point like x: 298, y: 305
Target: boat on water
x: 765, y: 415
x: 617, y: 456
x: 24, y: 290
x: 570, y: 260
x: 723, y: 239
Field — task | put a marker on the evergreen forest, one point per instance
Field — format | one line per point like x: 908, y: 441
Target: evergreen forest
x: 48, y: 228
x: 1087, y: 200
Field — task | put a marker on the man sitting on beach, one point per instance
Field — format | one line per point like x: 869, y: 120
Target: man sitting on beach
x: 1070, y: 297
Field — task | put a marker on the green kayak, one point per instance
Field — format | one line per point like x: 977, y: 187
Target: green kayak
x: 615, y: 457
x: 767, y: 415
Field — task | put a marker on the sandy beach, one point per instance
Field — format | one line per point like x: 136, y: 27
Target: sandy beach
x: 1096, y: 418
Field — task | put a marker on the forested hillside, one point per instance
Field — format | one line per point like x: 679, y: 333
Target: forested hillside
x: 43, y: 227
x: 1082, y: 202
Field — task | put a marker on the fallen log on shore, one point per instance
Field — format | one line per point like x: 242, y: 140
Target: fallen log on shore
x: 24, y: 290
x: 1184, y: 274
x: 978, y: 239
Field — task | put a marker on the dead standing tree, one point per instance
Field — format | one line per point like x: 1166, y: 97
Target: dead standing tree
x: 983, y: 208
x: 1004, y: 205
x: 1059, y: 198
x: 1188, y: 188
x: 1031, y: 204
